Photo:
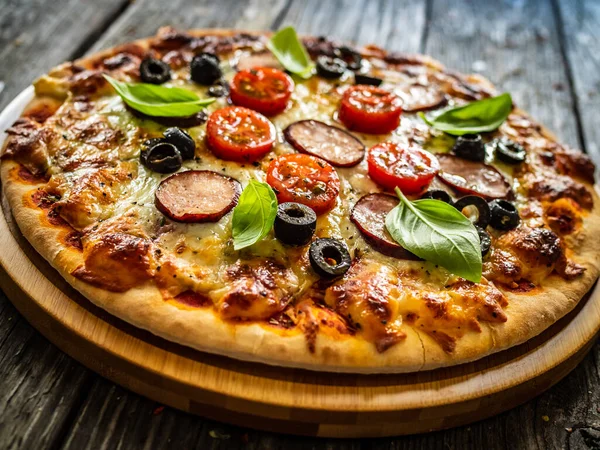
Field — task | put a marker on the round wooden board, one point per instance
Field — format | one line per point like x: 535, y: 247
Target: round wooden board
x: 273, y: 398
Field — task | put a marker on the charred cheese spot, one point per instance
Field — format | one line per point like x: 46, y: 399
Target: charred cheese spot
x: 73, y: 239
x: 27, y: 144
x: 41, y: 198
x: 367, y: 297
x: 116, y: 262
x: 447, y: 313
x: 92, y: 195
x: 95, y: 131
x: 192, y: 300
x: 525, y: 253
x: 564, y: 216
x: 551, y: 187
x: 41, y: 109
x: 573, y: 162
x: 88, y: 83
x: 255, y: 290
x: 23, y: 175
x: 314, y: 319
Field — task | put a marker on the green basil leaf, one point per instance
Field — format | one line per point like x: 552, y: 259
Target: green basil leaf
x: 154, y: 100
x: 254, y: 215
x: 476, y: 117
x: 437, y: 232
x: 290, y: 52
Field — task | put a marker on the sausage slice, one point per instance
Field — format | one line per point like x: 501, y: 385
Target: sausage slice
x: 197, y: 196
x: 418, y: 97
x: 473, y: 177
x: 369, y: 216
x: 334, y: 145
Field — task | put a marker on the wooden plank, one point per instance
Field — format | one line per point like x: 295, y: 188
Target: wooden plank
x: 38, y: 384
x: 39, y: 35
x: 146, y: 16
x: 397, y: 25
x: 579, y: 22
x: 516, y: 45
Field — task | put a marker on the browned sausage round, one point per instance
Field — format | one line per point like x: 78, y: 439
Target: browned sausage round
x: 418, y: 97
x: 472, y: 177
x: 369, y: 216
x: 334, y: 145
x: 197, y: 196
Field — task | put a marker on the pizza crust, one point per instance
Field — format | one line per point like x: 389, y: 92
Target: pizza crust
x: 528, y: 313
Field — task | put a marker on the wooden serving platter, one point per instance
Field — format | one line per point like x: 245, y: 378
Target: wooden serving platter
x: 273, y: 398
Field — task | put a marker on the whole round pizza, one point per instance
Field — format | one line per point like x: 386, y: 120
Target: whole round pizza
x: 301, y: 202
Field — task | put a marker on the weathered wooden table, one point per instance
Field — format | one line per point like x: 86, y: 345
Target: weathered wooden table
x: 545, y: 52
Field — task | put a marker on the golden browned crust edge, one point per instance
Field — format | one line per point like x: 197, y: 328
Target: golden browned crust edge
x: 528, y: 314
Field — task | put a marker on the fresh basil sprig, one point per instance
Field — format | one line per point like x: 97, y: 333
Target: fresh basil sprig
x: 476, y: 117
x: 254, y: 215
x: 290, y: 52
x: 161, y: 101
x: 437, y: 232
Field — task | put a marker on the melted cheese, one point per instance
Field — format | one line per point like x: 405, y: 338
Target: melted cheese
x: 199, y: 257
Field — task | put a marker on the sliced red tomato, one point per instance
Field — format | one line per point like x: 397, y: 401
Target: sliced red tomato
x: 239, y: 134
x: 411, y: 169
x: 263, y: 89
x: 304, y: 179
x: 369, y: 109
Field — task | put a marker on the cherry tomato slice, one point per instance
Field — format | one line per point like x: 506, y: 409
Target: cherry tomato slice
x: 239, y: 134
x: 391, y: 165
x: 369, y: 109
x: 263, y: 89
x: 304, y: 179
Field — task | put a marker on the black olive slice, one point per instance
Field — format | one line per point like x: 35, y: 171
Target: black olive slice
x: 329, y: 257
x: 483, y: 209
x: 505, y: 215
x: 162, y: 157
x: 469, y: 146
x: 146, y: 149
x: 295, y: 223
x: 352, y: 58
x: 437, y: 194
x: 366, y: 79
x: 509, y: 151
x: 183, y: 141
x: 329, y: 67
x: 484, y: 239
x: 154, y: 71
x: 205, y: 69
x: 219, y: 89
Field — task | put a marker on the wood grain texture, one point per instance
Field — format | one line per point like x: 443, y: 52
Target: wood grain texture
x: 520, y: 54
x: 379, y: 22
x: 580, y: 21
x: 37, y: 35
x: 146, y: 16
x: 39, y: 385
x: 572, y: 404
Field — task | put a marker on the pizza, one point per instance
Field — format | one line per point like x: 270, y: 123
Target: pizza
x: 302, y: 202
